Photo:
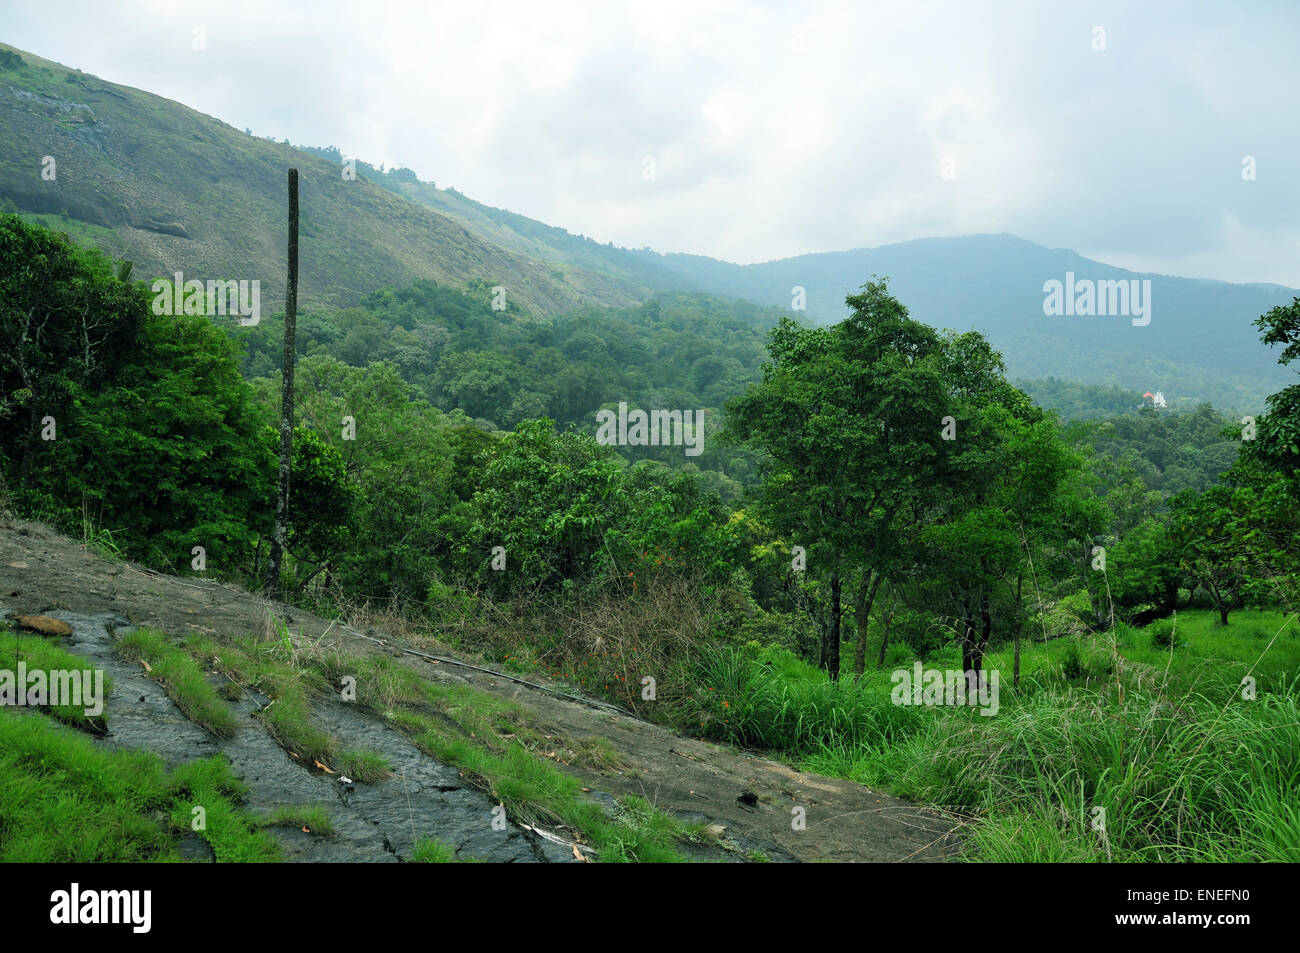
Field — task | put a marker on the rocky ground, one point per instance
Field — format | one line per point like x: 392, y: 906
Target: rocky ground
x: 747, y: 799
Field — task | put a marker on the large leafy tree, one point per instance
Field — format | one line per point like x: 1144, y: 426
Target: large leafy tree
x: 154, y: 434
x: 402, y: 476
x: 1145, y: 571
x: 68, y: 322
x: 1278, y: 440
x: 850, y: 420
x: 1006, y: 507
x: 169, y: 455
x: 547, y: 499
x: 1237, y: 540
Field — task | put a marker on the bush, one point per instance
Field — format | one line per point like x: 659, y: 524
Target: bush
x: 1071, y: 664
x: 920, y: 631
x: 1162, y: 633
x: 899, y: 654
x: 1078, y: 608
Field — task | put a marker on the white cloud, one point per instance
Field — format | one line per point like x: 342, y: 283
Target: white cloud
x: 776, y: 128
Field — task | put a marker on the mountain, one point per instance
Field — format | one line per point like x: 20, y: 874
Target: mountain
x: 174, y: 190
x: 1199, y: 345
x: 171, y: 189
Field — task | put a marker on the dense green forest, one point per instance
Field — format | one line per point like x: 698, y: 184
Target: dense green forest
x: 411, y: 405
x: 872, y: 493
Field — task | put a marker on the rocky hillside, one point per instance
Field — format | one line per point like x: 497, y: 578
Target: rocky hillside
x: 711, y: 803
x: 171, y: 189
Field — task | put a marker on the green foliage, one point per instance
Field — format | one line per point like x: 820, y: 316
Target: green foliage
x: 63, y: 799
x: 548, y: 498
x: 1076, y: 401
x: 780, y: 702
x: 1162, y: 633
x: 395, y: 482
x: 324, y: 504
x: 154, y: 439
x: 503, y: 368
x: 564, y: 509
x: 184, y: 681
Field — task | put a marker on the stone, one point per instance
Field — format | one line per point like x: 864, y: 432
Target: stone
x: 43, y: 624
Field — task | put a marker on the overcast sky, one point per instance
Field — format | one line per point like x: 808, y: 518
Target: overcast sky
x: 774, y: 128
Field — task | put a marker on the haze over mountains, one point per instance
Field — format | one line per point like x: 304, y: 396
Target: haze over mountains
x: 171, y: 189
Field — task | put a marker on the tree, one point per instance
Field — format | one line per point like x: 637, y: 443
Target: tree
x: 850, y: 421
x: 67, y: 324
x: 323, y: 505
x: 168, y: 453
x: 400, y: 459
x: 1277, y: 443
x: 1145, y: 571
x: 1001, y: 514
x: 548, y: 499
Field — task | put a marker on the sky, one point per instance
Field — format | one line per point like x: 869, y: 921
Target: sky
x: 1155, y: 136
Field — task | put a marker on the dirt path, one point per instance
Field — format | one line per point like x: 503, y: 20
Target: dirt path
x: 753, y: 800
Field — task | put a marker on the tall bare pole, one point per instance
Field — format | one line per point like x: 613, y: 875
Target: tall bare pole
x: 286, y: 398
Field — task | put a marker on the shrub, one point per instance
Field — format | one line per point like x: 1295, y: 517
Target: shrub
x: 1078, y: 607
x: 1071, y: 664
x: 919, y: 630
x: 1162, y: 633
x: 899, y: 653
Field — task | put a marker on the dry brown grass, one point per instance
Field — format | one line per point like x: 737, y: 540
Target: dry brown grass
x: 604, y: 642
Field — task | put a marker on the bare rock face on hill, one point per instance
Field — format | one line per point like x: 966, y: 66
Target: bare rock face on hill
x: 170, y: 188
x: 747, y: 802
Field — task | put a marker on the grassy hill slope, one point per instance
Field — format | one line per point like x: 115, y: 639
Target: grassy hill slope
x: 172, y: 189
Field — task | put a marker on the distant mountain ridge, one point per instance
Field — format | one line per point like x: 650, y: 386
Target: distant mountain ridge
x: 173, y: 190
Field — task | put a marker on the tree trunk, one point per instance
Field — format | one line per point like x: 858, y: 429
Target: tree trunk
x: 1171, y: 596
x: 832, y: 650
x: 985, y: 633
x: 974, y: 642
x: 34, y: 426
x: 862, y: 616
x: 889, y: 617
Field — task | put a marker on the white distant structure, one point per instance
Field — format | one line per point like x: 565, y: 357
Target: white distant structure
x: 1157, y: 399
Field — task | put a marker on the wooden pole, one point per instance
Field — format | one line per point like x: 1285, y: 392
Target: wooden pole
x: 286, y: 398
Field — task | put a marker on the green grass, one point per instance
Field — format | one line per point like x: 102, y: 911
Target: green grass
x: 311, y: 816
x: 777, y: 701
x: 63, y: 799
x: 534, y: 791
x: 495, y: 742
x: 430, y: 850
x: 39, y: 652
x: 233, y: 836
x: 182, y: 679
x: 1206, y: 657
x: 1184, y: 767
x: 268, y: 668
